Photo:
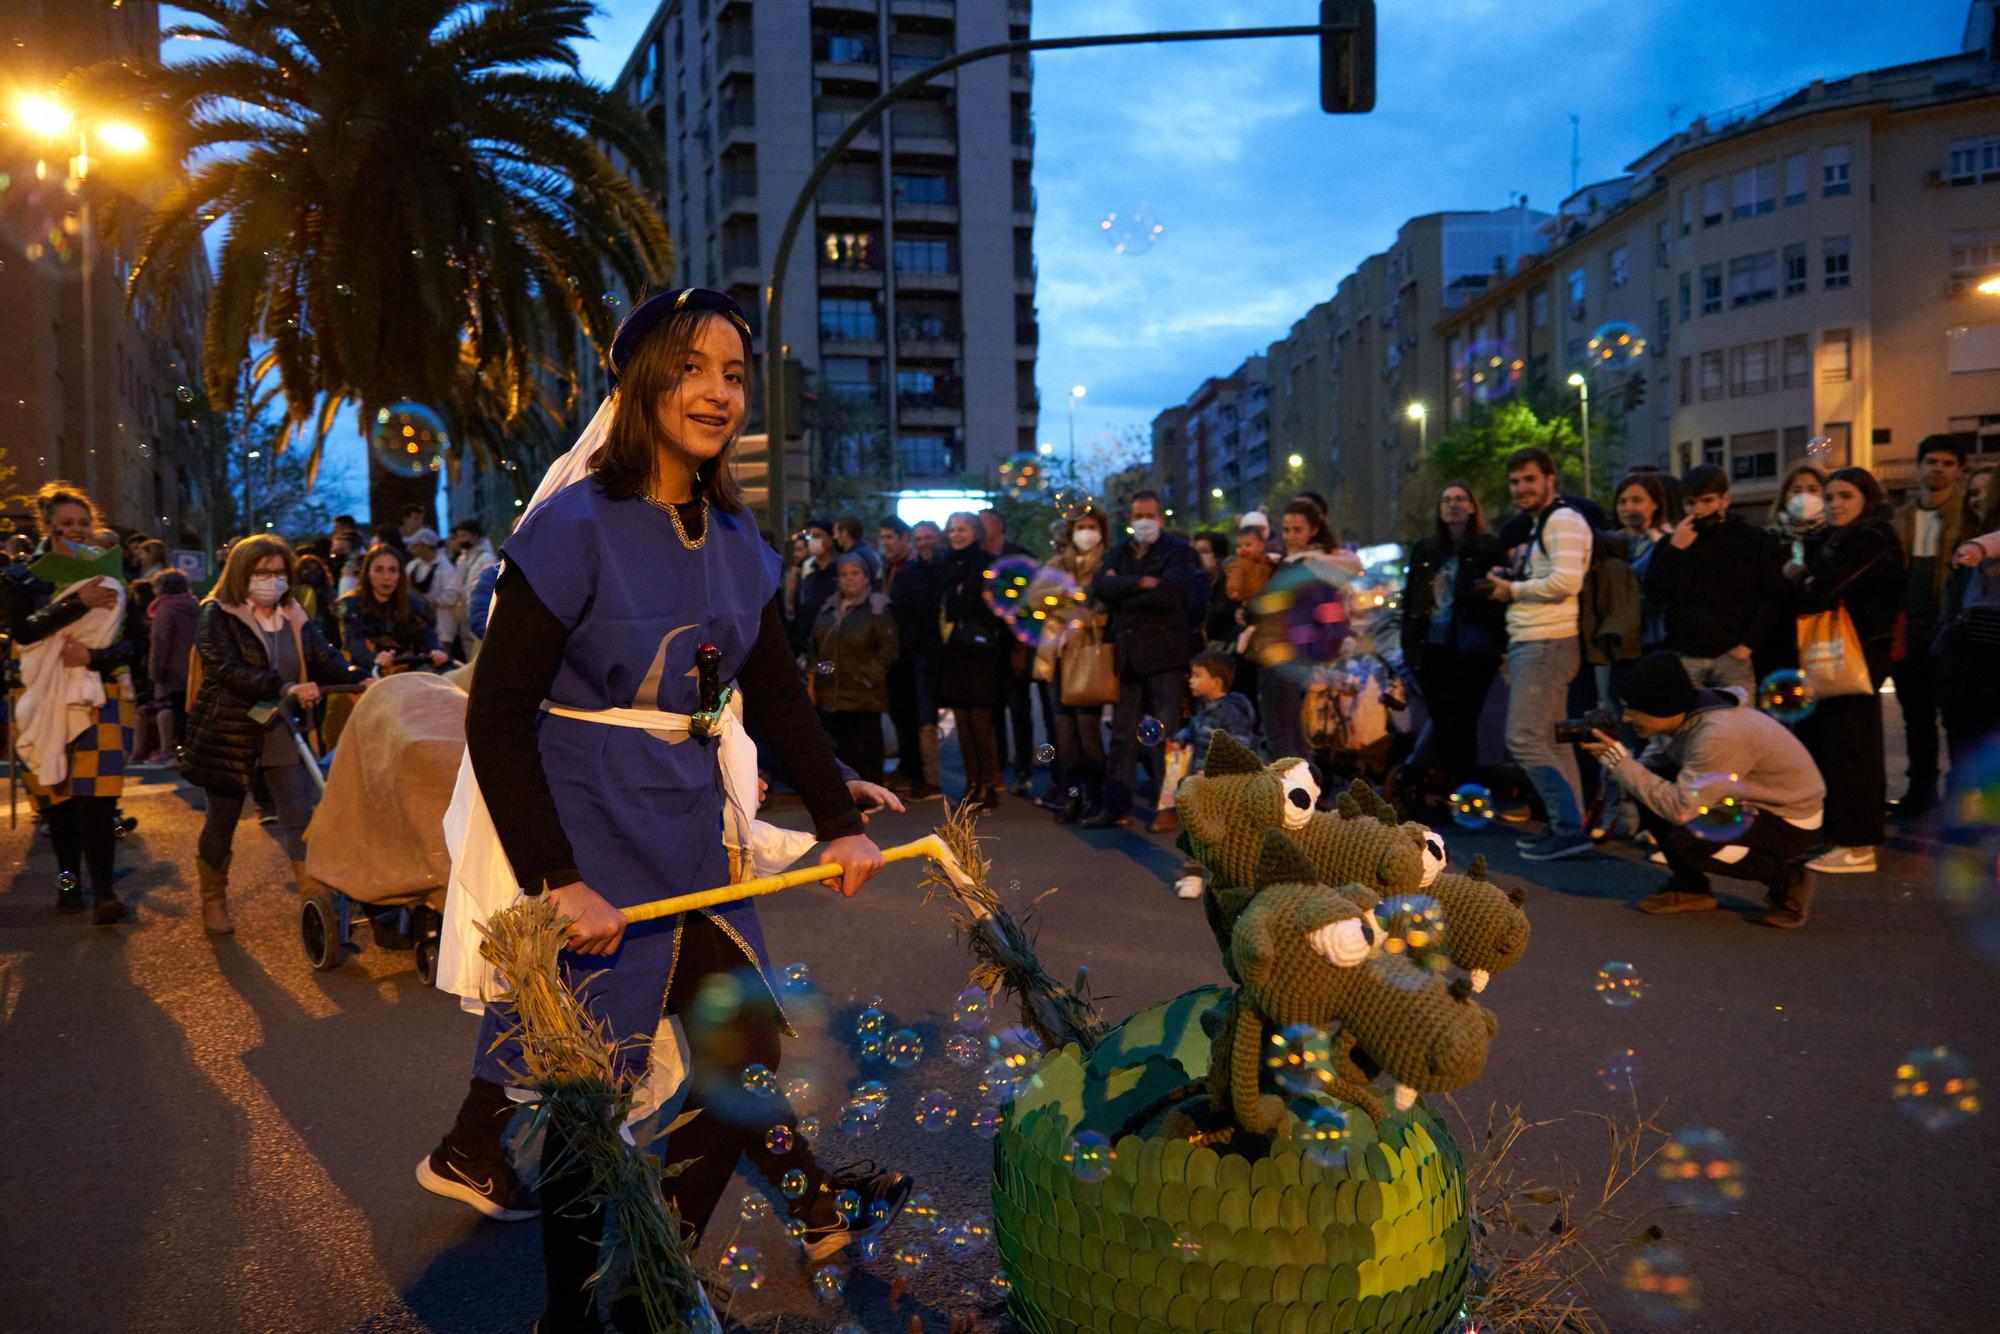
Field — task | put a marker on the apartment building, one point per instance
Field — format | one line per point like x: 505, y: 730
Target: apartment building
x: 1210, y: 460
x: 910, y: 297
x: 1808, y: 265
x: 88, y: 389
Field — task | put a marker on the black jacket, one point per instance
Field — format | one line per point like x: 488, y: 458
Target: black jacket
x: 814, y: 589
x: 366, y: 628
x: 220, y: 750
x: 1478, y: 623
x: 972, y: 664
x: 913, y: 605
x: 31, y: 615
x: 1720, y: 592
x: 1860, y: 566
x: 1153, y: 629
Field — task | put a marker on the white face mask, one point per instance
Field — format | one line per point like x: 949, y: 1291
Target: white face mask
x: 267, y: 589
x: 1805, y: 506
x: 1146, y: 531
x: 1086, y: 539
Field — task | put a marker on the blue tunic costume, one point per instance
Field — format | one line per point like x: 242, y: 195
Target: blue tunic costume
x: 643, y: 814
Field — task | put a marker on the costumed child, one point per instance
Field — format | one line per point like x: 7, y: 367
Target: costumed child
x: 73, y: 710
x: 637, y: 553
x: 1217, y: 708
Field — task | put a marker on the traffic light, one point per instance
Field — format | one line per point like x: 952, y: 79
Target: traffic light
x: 1635, y: 393
x: 1347, y: 57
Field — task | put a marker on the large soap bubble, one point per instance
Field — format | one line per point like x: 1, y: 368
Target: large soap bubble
x: 408, y: 439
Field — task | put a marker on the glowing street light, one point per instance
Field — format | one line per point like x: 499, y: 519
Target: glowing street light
x: 1295, y: 462
x: 44, y: 115
x: 1076, y: 392
x: 1989, y: 286
x: 1419, y: 414
x: 1581, y: 384
x: 121, y: 137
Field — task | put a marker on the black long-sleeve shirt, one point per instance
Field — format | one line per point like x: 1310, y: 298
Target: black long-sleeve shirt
x: 520, y: 656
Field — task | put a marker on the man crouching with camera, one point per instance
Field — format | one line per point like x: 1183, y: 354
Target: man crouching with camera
x: 1709, y: 752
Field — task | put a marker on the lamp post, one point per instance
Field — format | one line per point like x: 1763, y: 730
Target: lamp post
x: 1581, y: 384
x: 1417, y: 413
x: 1075, y: 392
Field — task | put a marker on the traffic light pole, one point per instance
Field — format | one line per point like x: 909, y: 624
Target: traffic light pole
x: 1352, y: 72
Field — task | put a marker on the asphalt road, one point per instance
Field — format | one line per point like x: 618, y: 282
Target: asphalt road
x: 204, y: 1134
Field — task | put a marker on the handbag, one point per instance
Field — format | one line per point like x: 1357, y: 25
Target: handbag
x: 1088, y: 671
x: 1831, y: 656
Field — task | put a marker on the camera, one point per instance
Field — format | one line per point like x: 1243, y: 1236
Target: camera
x: 1576, y: 731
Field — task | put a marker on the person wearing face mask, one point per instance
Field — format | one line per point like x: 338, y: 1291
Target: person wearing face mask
x: 1078, y: 732
x: 816, y: 584
x: 256, y: 645
x: 73, y: 713
x: 1154, y: 588
x: 972, y: 662
x: 437, y: 580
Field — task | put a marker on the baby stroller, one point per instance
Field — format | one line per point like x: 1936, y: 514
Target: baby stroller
x: 376, y: 842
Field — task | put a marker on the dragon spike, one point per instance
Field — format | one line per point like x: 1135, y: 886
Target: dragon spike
x: 1282, y: 863
x: 1226, y: 755
x: 1477, y: 870
x: 1460, y: 988
x: 1517, y: 896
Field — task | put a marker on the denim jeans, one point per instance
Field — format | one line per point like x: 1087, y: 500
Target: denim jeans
x: 1538, y: 676
x: 1157, y: 695
x: 293, y: 796
x: 1723, y: 673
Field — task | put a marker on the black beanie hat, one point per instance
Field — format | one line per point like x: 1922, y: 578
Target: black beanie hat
x: 1658, y: 686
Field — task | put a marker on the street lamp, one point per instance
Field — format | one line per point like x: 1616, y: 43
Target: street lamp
x: 1075, y: 392
x: 1417, y: 413
x: 1582, y: 387
x: 1295, y: 462
x: 1989, y: 286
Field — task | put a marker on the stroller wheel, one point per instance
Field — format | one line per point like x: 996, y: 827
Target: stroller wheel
x: 320, y: 932
x: 427, y: 961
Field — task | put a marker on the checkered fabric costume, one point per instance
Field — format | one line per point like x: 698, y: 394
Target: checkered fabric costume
x: 98, y: 756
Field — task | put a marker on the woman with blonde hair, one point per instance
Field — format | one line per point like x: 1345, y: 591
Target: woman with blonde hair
x: 257, y: 645
x: 1079, y: 730
x: 74, y: 711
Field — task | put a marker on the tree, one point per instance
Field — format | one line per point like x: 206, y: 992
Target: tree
x: 406, y: 188
x: 1476, y: 451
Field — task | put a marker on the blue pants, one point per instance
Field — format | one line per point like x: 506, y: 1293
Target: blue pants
x: 1156, y: 695
x: 1538, y: 677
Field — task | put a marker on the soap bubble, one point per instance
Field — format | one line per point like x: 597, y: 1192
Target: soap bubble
x: 743, y: 1268
x: 1300, y: 1058
x: 984, y: 1121
x: 1472, y: 806
x: 936, y: 1111
x: 1045, y: 754
x: 871, y: 1021
x: 754, y: 1207
x: 1014, y: 1057
x: 1130, y: 232
x: 849, y: 1204
x: 1301, y: 617
x: 1616, y: 345
x: 872, y: 1093
x: 879, y: 1213
x: 1936, y: 1089
x: 1006, y: 585
x: 1618, y: 985
x: 1187, y: 1244
x: 809, y: 1128
x: 963, y: 1049
x: 792, y: 1185
x: 1490, y: 370
x: 999, y: 1283
x: 1323, y: 1136
x: 857, y: 1120
x: 1150, y: 732
x: 1662, y: 1284
x: 824, y: 668
x: 795, y: 1229
x: 902, y: 1049
x: 1787, y: 695
x: 1024, y: 473
x: 971, y: 1234
x: 870, y: 1047
x: 1044, y: 598
x: 610, y: 300
x: 911, y: 1256
x: 851, y: 1326
x: 1412, y: 927
x: 922, y: 1206
x: 184, y: 394
x: 798, y: 978
x: 408, y: 440
x: 972, y: 1009
x: 1700, y: 1172
x: 1723, y: 812
x: 1619, y: 1071
x: 759, y: 1080
x: 778, y: 1139
x: 1819, y: 451
x: 798, y: 1089
x: 1089, y: 1156
x: 829, y: 1282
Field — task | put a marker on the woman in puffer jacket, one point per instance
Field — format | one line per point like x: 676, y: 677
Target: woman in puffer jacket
x: 257, y: 646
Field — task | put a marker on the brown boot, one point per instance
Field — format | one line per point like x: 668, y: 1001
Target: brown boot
x: 214, y: 882
x: 1167, y: 821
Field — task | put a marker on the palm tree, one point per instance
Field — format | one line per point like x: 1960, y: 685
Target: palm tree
x: 406, y: 187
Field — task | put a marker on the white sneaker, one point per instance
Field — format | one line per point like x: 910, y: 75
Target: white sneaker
x: 1188, y: 887
x: 1845, y: 861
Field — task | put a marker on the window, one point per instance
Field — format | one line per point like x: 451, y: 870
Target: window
x: 1795, y: 441
x: 1836, y: 356
x: 1753, y: 456
x: 1619, y: 267
x: 1796, y: 167
x: 922, y: 189
x: 1974, y: 255
x: 1538, y: 307
x: 1711, y: 450
x: 1765, y: 195
x: 1662, y: 322
x: 847, y: 250
x: 1756, y: 367
x: 924, y: 255
x: 1687, y: 212
x: 927, y: 456
x: 1663, y: 244
x: 1753, y: 279
x: 1795, y: 269
x: 1833, y: 178
x: 1711, y: 202
x: 1797, y: 356
x: 1834, y: 250
x: 1687, y: 380
x: 1509, y: 325
x: 1973, y: 160
x: 1711, y: 289
x: 1711, y: 376
x: 1579, y: 280
x: 843, y: 318
x: 1742, y: 192
x: 1687, y: 297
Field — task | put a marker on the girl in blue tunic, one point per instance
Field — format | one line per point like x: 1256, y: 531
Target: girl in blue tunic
x: 607, y: 591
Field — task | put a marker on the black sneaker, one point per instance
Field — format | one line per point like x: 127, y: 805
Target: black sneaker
x: 494, y: 1189
x: 828, y: 1231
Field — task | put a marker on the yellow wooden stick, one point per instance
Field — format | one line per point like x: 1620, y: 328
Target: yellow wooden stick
x: 929, y: 846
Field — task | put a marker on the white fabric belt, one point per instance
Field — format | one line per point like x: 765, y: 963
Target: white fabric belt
x: 645, y: 720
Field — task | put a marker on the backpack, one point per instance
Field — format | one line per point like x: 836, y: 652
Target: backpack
x: 1608, y: 618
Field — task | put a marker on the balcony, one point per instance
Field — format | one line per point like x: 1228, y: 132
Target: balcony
x: 734, y: 55
x: 847, y: 56
x: 846, y: 340
x: 846, y: 279
x: 867, y: 7
x: 1027, y: 336
x: 1020, y: 72
x: 739, y: 194
x: 943, y: 10
x: 902, y: 67
x: 1023, y: 135
x: 941, y: 214
x: 926, y: 280
x: 849, y: 197
x: 923, y: 131
x: 928, y: 337
x: 827, y: 126
x: 1025, y: 204
x: 940, y: 405
x: 737, y: 121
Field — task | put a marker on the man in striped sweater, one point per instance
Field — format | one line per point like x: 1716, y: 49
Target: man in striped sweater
x: 1543, y: 648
